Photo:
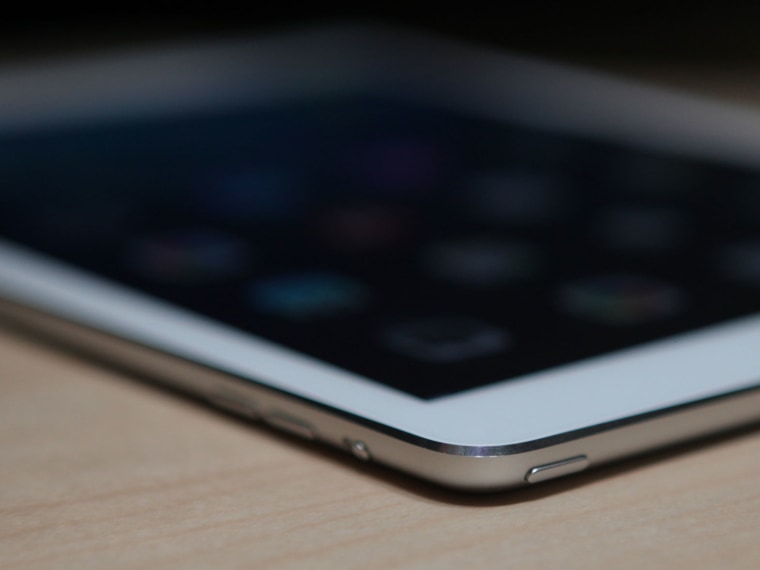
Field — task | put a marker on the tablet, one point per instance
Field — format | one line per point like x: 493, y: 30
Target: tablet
x: 481, y: 269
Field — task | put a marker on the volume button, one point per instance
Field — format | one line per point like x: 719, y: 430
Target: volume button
x: 291, y: 425
x: 233, y: 404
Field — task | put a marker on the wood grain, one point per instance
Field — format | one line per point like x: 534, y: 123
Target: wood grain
x: 100, y: 471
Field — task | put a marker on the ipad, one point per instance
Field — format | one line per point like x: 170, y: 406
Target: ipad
x: 481, y: 269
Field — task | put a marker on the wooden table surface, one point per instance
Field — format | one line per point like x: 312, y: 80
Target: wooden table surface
x: 101, y: 471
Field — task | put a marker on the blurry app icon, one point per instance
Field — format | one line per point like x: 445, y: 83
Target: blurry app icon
x: 621, y: 299
x: 651, y: 175
x: 191, y: 256
x: 84, y: 225
x: 741, y: 262
x: 253, y: 194
x: 516, y: 197
x: 308, y: 295
x: 401, y: 167
x: 482, y: 262
x: 642, y: 229
x: 362, y: 227
x: 443, y: 339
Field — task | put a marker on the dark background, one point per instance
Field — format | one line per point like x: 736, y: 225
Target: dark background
x: 711, y: 33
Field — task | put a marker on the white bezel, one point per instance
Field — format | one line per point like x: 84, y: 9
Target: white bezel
x: 687, y: 368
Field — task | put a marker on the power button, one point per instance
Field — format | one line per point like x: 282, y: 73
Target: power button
x: 290, y: 424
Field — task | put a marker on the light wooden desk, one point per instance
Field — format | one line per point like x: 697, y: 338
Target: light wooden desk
x: 100, y: 471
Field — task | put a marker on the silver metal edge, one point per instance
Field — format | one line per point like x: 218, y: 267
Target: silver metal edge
x: 469, y: 468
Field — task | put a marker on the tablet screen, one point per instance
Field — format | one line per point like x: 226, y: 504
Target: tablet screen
x: 431, y: 250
